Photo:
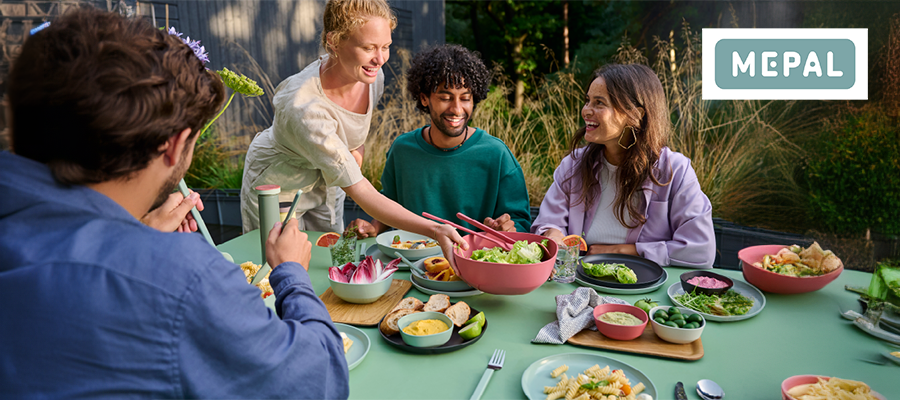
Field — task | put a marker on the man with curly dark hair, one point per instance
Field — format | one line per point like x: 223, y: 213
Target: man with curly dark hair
x: 105, y: 112
x: 448, y: 166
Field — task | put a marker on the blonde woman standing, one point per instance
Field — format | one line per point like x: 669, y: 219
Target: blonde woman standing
x: 322, y: 117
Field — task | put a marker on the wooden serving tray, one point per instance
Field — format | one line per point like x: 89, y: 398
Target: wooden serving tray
x: 365, y: 314
x: 648, y: 343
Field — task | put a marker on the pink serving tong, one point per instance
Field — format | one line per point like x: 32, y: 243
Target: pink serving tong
x: 500, y: 235
x: 505, y: 245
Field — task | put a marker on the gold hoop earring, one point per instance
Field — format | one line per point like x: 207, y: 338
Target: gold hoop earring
x: 633, y: 134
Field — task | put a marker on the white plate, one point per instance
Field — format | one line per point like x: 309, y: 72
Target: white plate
x: 467, y: 293
x: 360, y: 346
x: 376, y: 253
x: 537, y: 375
x: 612, y: 290
x: 745, y: 289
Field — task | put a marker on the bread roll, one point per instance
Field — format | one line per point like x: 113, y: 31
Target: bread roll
x: 409, y: 303
x: 458, y: 313
x: 389, y: 323
x: 438, y: 303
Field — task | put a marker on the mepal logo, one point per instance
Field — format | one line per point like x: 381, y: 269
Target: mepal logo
x: 763, y: 64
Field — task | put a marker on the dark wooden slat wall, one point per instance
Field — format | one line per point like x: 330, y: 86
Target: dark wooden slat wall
x: 283, y: 37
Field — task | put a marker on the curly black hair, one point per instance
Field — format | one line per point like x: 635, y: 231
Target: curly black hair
x: 450, y: 64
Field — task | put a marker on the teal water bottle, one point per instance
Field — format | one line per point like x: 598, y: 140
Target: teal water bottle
x: 268, y: 213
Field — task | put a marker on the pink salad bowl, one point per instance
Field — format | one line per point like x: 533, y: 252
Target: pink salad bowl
x: 769, y: 281
x: 497, y: 278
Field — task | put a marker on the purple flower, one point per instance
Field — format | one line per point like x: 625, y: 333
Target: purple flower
x: 199, y: 50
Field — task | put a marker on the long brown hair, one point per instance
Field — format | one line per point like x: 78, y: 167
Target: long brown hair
x: 632, y: 88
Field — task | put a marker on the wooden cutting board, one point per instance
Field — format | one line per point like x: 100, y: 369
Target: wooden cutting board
x: 365, y: 314
x: 648, y: 343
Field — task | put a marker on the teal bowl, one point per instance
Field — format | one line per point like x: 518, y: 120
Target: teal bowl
x: 360, y: 293
x: 433, y: 340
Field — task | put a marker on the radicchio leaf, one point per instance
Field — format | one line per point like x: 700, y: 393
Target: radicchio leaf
x: 347, y: 270
x: 389, y: 270
x: 364, y: 272
x: 334, y: 273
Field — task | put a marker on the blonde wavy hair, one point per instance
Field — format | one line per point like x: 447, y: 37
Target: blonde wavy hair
x: 344, y: 16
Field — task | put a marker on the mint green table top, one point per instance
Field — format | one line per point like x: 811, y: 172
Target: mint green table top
x: 793, y: 335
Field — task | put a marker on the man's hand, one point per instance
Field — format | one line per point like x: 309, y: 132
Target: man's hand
x: 503, y: 223
x: 289, y: 245
x: 365, y: 228
x: 174, y: 214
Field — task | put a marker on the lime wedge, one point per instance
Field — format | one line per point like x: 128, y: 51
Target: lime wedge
x: 477, y: 318
x: 470, y: 331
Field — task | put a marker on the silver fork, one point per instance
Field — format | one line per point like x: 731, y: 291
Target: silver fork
x: 495, y: 363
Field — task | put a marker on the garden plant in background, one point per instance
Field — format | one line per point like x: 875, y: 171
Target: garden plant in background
x: 213, y: 167
x: 853, y: 175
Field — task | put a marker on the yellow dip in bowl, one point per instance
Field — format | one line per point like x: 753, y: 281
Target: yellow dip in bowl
x: 620, y: 318
x: 425, y: 327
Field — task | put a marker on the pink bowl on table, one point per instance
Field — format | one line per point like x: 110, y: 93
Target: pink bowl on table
x: 620, y: 332
x: 769, y: 281
x: 797, y: 380
x: 497, y: 278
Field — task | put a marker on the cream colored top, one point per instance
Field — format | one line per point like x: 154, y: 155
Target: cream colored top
x: 307, y: 147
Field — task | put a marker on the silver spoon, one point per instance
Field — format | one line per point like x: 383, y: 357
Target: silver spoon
x: 709, y: 390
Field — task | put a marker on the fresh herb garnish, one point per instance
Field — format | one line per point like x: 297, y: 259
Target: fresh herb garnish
x: 594, y: 385
x: 730, y: 303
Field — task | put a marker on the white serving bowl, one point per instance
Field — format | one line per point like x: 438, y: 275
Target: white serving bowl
x: 676, y: 335
x: 360, y: 293
x: 384, y: 244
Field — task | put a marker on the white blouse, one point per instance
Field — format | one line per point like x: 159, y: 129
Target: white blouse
x: 605, y: 228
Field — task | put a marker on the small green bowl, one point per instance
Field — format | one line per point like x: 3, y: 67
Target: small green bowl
x: 360, y: 293
x: 433, y: 340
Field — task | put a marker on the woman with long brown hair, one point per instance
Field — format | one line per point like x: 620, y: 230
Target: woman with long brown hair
x: 625, y: 191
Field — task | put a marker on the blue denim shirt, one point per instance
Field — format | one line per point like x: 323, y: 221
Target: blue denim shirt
x: 95, y: 304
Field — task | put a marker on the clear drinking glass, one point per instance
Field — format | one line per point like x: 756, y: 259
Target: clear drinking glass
x: 343, y: 251
x: 566, y: 261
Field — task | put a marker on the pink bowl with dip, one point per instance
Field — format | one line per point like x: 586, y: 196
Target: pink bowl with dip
x: 620, y: 332
x: 771, y: 282
x: 706, y: 282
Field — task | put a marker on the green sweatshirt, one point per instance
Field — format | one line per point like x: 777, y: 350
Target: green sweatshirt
x: 480, y: 179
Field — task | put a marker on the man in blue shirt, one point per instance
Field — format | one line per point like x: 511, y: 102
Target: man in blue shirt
x: 104, y: 115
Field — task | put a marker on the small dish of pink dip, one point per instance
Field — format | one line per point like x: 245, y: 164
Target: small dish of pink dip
x: 707, y: 282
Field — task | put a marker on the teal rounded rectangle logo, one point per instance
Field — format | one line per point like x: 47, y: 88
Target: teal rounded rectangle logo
x: 785, y: 64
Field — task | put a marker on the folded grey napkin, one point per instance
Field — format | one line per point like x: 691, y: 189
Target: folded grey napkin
x: 575, y: 312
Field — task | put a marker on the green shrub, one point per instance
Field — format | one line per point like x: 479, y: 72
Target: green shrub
x: 854, y: 177
x: 214, y: 166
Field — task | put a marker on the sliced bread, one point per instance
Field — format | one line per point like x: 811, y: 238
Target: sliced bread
x: 458, y: 313
x: 389, y: 323
x: 409, y: 303
x: 438, y: 303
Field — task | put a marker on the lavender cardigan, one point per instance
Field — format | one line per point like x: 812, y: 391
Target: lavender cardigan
x: 678, y: 231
